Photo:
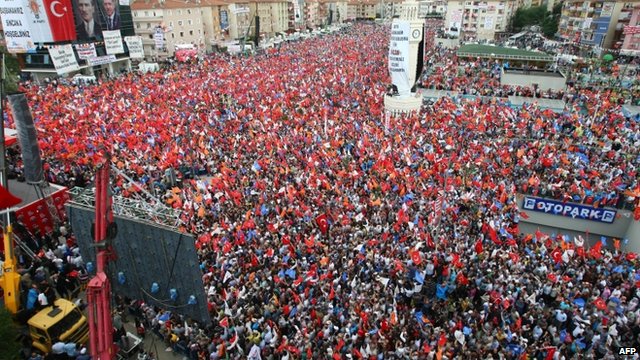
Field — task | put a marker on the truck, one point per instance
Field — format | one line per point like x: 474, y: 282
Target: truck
x: 61, y: 322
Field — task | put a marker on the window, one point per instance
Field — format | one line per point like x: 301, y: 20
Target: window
x: 179, y: 22
x: 148, y: 25
x: 137, y: 25
x: 170, y: 23
x: 146, y: 13
x: 154, y: 13
x: 150, y: 36
x: 173, y: 36
x: 189, y: 11
x: 190, y: 22
x: 179, y: 12
x: 135, y: 14
x: 190, y: 32
x: 168, y: 12
x: 181, y: 33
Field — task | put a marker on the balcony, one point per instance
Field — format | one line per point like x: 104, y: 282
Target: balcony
x: 147, y: 18
x: 145, y: 30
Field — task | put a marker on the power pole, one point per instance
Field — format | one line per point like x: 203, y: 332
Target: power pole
x: 3, y: 152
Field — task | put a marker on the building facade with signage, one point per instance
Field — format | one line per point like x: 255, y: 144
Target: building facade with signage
x: 64, y: 37
x: 591, y: 23
x: 206, y: 23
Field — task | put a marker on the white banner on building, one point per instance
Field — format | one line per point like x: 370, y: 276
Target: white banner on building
x: 63, y: 58
x: 15, y: 27
x: 113, y: 42
x: 587, y: 23
x: 101, y: 60
x: 158, y: 38
x: 239, y: 8
x: 399, y: 56
x: 37, y: 21
x: 134, y: 43
x: 296, y: 11
x: 607, y: 9
x: 488, y: 22
x: 86, y: 51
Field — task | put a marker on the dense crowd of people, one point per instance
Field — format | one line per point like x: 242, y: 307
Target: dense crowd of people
x: 327, y: 229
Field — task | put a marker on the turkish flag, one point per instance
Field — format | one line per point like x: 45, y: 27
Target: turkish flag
x: 323, y: 223
x: 415, y: 257
x: 595, y: 250
x: 556, y: 255
x: 7, y: 199
x: 224, y: 322
x: 479, y: 246
x: 600, y: 303
x: 61, y: 23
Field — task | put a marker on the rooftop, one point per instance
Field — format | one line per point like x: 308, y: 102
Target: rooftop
x: 498, y: 52
x: 189, y: 4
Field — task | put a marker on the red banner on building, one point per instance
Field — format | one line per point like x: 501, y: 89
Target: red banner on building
x: 61, y: 22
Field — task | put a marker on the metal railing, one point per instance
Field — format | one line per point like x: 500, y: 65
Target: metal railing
x: 127, y: 207
x: 506, y: 56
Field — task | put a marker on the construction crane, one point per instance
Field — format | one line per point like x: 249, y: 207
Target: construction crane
x: 99, y: 287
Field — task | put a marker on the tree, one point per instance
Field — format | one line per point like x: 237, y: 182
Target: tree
x: 10, y: 348
x: 529, y: 16
x: 12, y: 69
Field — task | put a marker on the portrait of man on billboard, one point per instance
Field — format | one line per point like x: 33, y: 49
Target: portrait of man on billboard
x: 110, y: 15
x: 87, y: 24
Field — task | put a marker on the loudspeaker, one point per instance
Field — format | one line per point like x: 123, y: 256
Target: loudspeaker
x: 27, y: 137
x: 257, y: 34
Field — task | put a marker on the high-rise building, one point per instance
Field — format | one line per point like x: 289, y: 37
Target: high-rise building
x: 590, y: 23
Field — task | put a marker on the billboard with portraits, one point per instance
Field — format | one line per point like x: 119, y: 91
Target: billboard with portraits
x: 92, y: 17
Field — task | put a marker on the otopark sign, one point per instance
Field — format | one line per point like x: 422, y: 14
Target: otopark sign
x: 576, y: 211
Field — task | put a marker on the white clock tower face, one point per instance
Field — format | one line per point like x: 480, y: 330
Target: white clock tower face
x: 415, y: 33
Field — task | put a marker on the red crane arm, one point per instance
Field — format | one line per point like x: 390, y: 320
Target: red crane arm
x: 99, y: 288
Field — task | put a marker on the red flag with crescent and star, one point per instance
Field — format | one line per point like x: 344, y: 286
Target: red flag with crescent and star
x: 322, y: 221
x: 61, y: 23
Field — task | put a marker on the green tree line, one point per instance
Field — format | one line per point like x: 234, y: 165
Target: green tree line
x: 538, y: 15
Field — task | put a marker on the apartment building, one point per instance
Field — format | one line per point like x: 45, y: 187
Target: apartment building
x: 179, y: 22
x: 631, y: 34
x: 594, y: 23
x: 331, y: 11
x: 204, y: 23
x: 311, y: 13
x: 273, y: 18
x: 430, y: 7
x: 480, y: 20
x: 362, y: 9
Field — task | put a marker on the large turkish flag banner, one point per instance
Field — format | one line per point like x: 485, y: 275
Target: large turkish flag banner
x: 60, y: 14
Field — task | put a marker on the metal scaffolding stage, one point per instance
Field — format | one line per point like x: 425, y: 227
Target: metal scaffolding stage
x: 139, y: 209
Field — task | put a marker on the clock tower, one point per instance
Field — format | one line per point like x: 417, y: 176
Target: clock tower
x: 405, y: 63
